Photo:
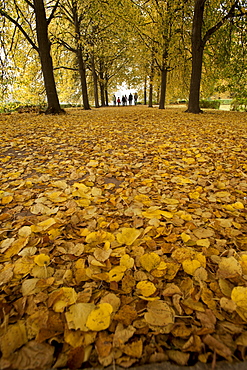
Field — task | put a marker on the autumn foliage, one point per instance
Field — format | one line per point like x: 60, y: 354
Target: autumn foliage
x: 123, y: 238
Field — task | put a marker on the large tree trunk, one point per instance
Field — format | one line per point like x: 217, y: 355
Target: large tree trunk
x: 45, y: 58
x: 106, y: 96
x: 82, y: 71
x: 81, y: 64
x: 197, y: 55
x: 102, y: 86
x: 163, y: 88
x: 151, y: 81
x: 95, y: 82
x: 145, y: 91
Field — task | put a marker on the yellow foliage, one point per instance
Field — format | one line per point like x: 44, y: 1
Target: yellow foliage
x: 100, y: 317
x: 128, y: 235
x: 150, y: 261
x: 42, y: 260
x: 146, y: 288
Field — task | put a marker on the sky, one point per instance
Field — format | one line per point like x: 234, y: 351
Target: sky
x: 123, y: 90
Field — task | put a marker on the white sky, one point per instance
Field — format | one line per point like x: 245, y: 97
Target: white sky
x: 123, y: 90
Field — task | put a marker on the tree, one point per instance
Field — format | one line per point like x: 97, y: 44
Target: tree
x: 43, y: 47
x: 69, y: 35
x: 199, y: 40
x: 44, y: 50
x: 79, y: 54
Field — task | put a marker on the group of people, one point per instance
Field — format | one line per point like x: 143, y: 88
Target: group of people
x: 125, y: 99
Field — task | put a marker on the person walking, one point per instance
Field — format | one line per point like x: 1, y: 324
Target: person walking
x: 130, y: 99
x: 135, y: 98
x: 118, y: 101
x: 114, y: 99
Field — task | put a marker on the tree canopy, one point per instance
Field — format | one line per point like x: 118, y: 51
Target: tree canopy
x: 94, y: 46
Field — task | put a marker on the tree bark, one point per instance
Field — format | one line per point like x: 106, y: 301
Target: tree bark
x: 106, y: 96
x: 163, y: 88
x: 145, y: 91
x: 151, y: 78
x: 197, y: 55
x: 102, y: 83
x: 81, y: 64
x: 95, y: 82
x: 44, y: 49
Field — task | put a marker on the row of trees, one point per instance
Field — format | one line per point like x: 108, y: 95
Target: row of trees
x: 154, y: 42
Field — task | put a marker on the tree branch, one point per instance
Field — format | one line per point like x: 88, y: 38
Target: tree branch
x: 53, y: 12
x: 230, y: 14
x: 6, y: 15
x: 63, y: 67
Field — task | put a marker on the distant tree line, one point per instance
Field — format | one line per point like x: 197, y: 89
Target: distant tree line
x: 81, y: 45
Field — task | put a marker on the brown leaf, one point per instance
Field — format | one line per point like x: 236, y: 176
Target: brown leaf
x: 75, y: 358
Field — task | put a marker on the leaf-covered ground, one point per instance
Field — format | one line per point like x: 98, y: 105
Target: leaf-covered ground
x: 123, y: 238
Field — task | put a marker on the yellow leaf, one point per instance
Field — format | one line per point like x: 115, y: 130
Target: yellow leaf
x: 166, y: 214
x: 7, y: 199
x: 117, y: 273
x: 188, y: 160
x: 146, y: 288
x: 150, y: 261
x: 190, y: 266
x: 201, y: 258
x: 127, y: 261
x: 229, y: 267
x: 100, y: 317
x: 243, y: 263
x: 14, y: 337
x: 142, y: 198
x: 93, y: 163
x: 238, y: 205
x: 57, y: 197
x: 99, y: 237
x: 171, y: 201
x: 68, y: 297
x: 128, y: 235
x: 47, y: 223
x: 203, y: 242
x: 185, y: 237
x: 194, y: 305
x: 42, y: 260
x: 222, y: 194
x: 152, y: 212
x: 16, y: 247
x: 159, y: 314
x: 25, y: 231
x: 186, y: 217
x: 194, y: 195
x: 239, y: 296
x: 96, y: 192
x: 77, y: 315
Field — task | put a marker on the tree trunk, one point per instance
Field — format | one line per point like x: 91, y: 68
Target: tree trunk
x: 106, y: 96
x: 151, y: 78
x: 81, y: 64
x: 150, y: 97
x: 95, y: 82
x: 82, y: 71
x: 145, y: 91
x: 163, y: 88
x: 197, y: 56
x: 46, y: 59
x: 102, y: 88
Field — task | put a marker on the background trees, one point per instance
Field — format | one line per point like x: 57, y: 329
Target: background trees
x: 86, y: 48
x: 29, y: 18
x: 219, y: 14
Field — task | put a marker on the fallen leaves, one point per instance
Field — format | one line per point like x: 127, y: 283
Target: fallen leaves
x: 123, y: 248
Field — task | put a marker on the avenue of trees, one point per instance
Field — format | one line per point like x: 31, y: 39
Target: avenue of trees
x: 80, y: 50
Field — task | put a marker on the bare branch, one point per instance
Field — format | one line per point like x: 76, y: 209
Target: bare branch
x: 6, y: 15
